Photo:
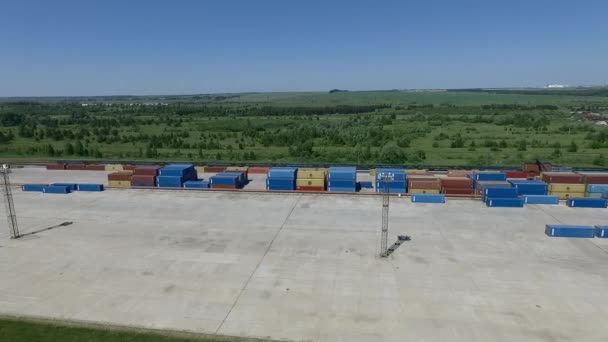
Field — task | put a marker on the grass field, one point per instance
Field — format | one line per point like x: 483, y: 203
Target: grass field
x: 19, y: 330
x: 432, y: 128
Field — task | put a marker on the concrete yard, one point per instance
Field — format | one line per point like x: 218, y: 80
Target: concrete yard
x: 302, y: 267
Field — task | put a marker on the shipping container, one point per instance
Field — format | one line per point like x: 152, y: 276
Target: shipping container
x: 529, y: 187
x: 198, y: 184
x: 76, y: 167
x: 394, y: 187
x: 566, y: 195
x: 143, y: 180
x: 396, y: 173
x: 186, y: 171
x: 244, y: 169
x: 233, y: 180
x: 241, y: 177
x: 500, y: 192
x: 148, y: 170
x: 424, y: 184
x: 129, y: 167
x: 571, y: 231
x: 283, y: 173
x: 341, y: 189
x: 33, y: 187
x: 564, y: 187
x: 594, y: 194
x: 89, y: 187
x: 144, y: 184
x: 366, y: 185
x: 342, y: 183
x: 480, y: 186
x: 94, y: 167
x: 456, y: 182
x: 310, y: 182
x: 516, y: 174
x: 170, y: 181
x: 342, y: 173
x: 459, y: 173
x: 72, y: 186
x: 597, y: 188
x: 595, y: 178
x: 214, y: 169
x: 505, y: 202
x: 56, y: 189
x: 120, y: 176
x: 223, y: 186
x: 310, y: 188
x: 489, y: 176
x: 415, y: 171
x: 114, y: 167
x: 119, y: 183
x: 258, y: 170
x: 311, y: 173
x: 601, y: 232
x: 457, y: 191
x: 541, y: 199
x: 587, y: 202
x: 199, y: 170
x: 55, y: 167
x: 418, y: 198
x: 423, y: 191
x: 562, y: 177
x: 280, y: 184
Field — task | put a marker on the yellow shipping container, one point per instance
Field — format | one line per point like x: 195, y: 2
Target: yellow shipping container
x: 199, y: 169
x: 565, y: 195
x: 311, y: 173
x: 120, y: 184
x: 310, y: 182
x: 567, y: 187
x: 423, y: 191
x: 413, y: 172
x: 237, y: 169
x: 372, y: 172
x: 114, y: 167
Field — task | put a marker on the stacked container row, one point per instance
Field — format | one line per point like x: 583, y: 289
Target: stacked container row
x: 396, y: 184
x: 311, y: 179
x: 342, y: 179
x: 281, y: 178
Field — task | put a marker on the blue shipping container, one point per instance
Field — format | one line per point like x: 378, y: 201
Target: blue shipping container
x: 500, y: 192
x: 399, y: 187
x: 33, y: 187
x: 72, y: 186
x: 398, y: 174
x: 169, y: 181
x: 505, y: 202
x: 427, y: 198
x: 597, y: 188
x: 341, y: 189
x: 178, y: 170
x: 530, y: 187
x: 90, y: 187
x: 495, y: 176
x: 563, y: 230
x: 242, y: 178
x: 196, y: 184
x: 342, y: 183
x: 342, y: 173
x: 280, y: 184
x: 541, y: 199
x: 601, y: 232
x: 282, y: 173
x: 225, y: 180
x: 587, y: 203
x: 56, y: 189
x: 366, y: 185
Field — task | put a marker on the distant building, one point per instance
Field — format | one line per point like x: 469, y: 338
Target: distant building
x: 558, y: 86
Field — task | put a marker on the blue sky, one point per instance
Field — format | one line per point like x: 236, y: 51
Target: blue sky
x: 57, y: 48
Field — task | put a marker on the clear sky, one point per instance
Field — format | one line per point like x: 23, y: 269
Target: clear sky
x: 106, y: 47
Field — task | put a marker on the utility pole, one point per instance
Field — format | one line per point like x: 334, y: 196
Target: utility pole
x: 8, y: 202
x: 385, y: 179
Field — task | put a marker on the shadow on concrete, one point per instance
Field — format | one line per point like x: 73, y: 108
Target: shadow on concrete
x: 45, y: 229
x: 397, y: 244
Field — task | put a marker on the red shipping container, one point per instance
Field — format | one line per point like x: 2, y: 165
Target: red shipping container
x: 457, y: 191
x: 257, y: 169
x: 148, y: 170
x: 533, y: 167
x: 596, y: 178
x: 310, y: 188
x: 55, y: 167
x: 94, y: 167
x: 424, y: 184
x: 456, y: 182
x: 143, y: 178
x: 129, y: 167
x: 214, y: 169
x: 75, y: 167
x: 222, y: 186
x: 516, y: 174
x: 120, y: 176
x: 562, y: 177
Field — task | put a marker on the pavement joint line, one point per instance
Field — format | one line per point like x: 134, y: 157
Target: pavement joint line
x: 258, y: 265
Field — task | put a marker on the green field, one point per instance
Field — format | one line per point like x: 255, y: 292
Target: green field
x: 17, y: 330
x: 418, y: 128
